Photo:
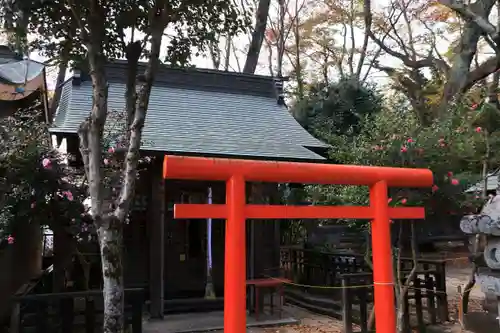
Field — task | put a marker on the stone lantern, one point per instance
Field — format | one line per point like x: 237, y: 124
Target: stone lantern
x: 487, y: 225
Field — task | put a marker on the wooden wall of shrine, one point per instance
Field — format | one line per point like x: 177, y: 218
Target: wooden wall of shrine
x: 168, y: 257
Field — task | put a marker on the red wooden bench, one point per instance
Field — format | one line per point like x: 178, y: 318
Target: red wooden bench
x: 276, y: 283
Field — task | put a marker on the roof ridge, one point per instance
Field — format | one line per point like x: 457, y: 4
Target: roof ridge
x: 212, y: 71
x: 200, y: 80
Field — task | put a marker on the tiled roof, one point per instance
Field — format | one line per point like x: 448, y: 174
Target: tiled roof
x: 215, y: 113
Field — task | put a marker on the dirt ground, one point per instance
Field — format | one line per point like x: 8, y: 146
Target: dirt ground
x: 458, y: 272
x: 309, y: 322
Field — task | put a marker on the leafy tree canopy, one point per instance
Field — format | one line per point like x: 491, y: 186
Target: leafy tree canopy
x: 339, y: 108
x: 453, y: 148
x: 35, y: 186
x: 60, y: 25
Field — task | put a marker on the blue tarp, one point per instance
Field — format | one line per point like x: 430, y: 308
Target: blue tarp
x: 20, y: 72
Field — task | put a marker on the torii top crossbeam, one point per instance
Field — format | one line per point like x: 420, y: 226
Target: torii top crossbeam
x: 236, y: 211
x: 197, y: 168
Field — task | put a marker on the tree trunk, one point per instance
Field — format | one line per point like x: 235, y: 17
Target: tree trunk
x: 108, y: 230
x: 61, y: 75
x: 472, y: 279
x: 298, y: 65
x: 401, y: 287
x: 109, y: 222
x: 464, y: 54
x: 227, y: 52
x: 110, y: 242
x: 257, y: 37
x: 64, y: 248
x: 281, y: 37
x: 400, y: 320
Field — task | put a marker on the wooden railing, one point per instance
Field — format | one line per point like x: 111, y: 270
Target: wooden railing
x: 341, y: 285
x: 74, y: 311
x: 312, y: 267
x: 424, y: 302
x: 42, y: 283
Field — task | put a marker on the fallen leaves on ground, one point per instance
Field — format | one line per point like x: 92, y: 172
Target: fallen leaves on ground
x: 304, y: 329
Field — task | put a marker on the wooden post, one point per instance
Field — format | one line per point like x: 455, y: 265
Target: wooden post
x: 156, y: 243
x: 346, y: 305
x: 441, y: 289
x: 418, y: 303
x: 430, y: 295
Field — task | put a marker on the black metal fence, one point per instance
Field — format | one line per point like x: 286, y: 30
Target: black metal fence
x: 72, y: 312
x: 341, y: 285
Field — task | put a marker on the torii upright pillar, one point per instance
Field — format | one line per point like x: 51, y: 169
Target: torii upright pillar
x: 236, y: 172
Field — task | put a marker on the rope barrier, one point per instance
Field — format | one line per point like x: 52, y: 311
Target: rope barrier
x: 285, y: 282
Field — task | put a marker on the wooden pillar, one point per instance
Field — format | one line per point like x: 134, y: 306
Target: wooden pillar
x: 251, y: 193
x: 274, y: 199
x: 235, y: 261
x: 383, y: 274
x: 156, y: 241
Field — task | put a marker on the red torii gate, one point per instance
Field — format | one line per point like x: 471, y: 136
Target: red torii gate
x: 236, y: 172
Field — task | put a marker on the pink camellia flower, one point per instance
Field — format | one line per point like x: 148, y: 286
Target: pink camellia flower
x: 404, y: 149
x: 474, y: 106
x: 106, y: 161
x: 46, y: 163
x: 441, y: 140
x: 404, y: 201
x: 10, y: 239
x: 410, y: 140
x: 442, y: 144
x: 478, y: 129
x: 435, y: 188
x: 389, y: 200
x: 111, y: 150
x: 68, y: 195
x: 450, y: 174
x: 455, y: 181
